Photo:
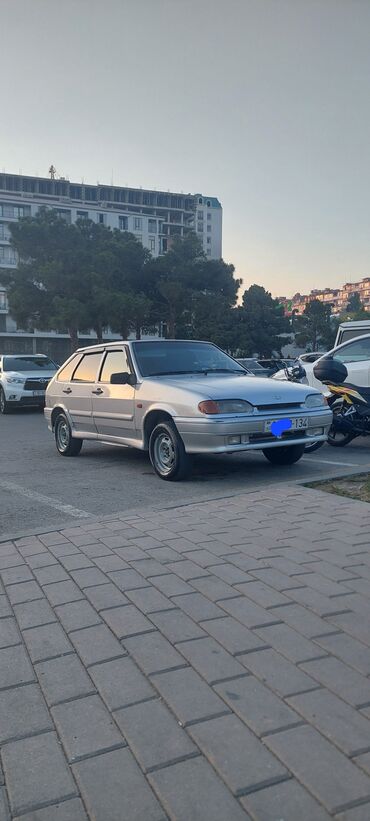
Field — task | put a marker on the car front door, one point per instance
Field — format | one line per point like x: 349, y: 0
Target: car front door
x: 80, y: 392
x: 356, y: 357
x: 113, y: 405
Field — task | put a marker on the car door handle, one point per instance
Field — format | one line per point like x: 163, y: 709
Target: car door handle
x: 67, y: 390
x: 98, y: 391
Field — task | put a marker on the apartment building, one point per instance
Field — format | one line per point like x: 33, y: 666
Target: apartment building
x: 338, y: 298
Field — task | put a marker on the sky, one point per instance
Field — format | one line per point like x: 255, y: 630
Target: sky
x: 264, y: 104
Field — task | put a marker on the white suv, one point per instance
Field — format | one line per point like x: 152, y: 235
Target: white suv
x: 24, y: 379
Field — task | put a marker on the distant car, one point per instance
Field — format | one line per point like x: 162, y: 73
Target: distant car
x: 253, y: 366
x: 175, y: 398
x: 24, y: 379
x: 275, y: 365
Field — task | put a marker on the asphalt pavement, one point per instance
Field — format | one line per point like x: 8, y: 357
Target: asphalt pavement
x: 39, y: 490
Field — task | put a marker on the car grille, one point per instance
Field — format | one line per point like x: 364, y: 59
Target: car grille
x: 36, y: 384
x: 281, y: 407
x: 269, y: 437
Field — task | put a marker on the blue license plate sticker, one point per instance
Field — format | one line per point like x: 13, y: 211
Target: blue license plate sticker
x: 280, y: 426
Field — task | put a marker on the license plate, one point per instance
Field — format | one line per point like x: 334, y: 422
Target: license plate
x: 280, y: 426
x: 38, y: 393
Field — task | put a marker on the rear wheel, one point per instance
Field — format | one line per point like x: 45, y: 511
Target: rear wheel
x: 284, y: 455
x: 167, y: 453
x: 338, y: 438
x: 66, y: 444
x: 4, y: 405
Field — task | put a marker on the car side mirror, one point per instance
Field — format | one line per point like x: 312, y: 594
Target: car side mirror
x: 124, y: 378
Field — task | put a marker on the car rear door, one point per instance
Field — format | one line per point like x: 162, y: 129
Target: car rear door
x: 355, y: 355
x: 80, y: 392
x: 113, y: 405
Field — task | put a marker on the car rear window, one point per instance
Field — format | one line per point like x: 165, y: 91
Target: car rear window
x: 65, y: 375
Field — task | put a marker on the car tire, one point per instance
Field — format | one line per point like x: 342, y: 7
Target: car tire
x: 284, y: 455
x: 66, y: 444
x: 4, y: 405
x: 313, y: 446
x: 167, y: 453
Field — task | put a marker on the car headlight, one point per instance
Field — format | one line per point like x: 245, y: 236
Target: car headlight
x: 18, y: 379
x: 315, y: 400
x: 210, y: 406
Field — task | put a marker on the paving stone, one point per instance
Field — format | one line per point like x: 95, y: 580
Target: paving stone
x: 14, y: 575
x: 75, y: 562
x: 341, y: 679
x: 36, y: 773
x: 41, y: 560
x: 279, y: 673
x: 354, y: 626
x: 95, y: 550
x: 63, y: 678
x: 192, y: 790
x: 335, y: 719
x: 89, y: 577
x: 51, y: 573
x: 348, y: 649
x: 315, y: 601
x: 235, y: 637
x: 95, y: 644
x: 4, y: 807
x: 154, y: 735
x: 4, y: 607
x: 149, y: 600
x: 262, y: 594
x: 104, y: 596
x: 276, y: 579
x: 176, y: 626
x: 171, y: 585
x: 46, y: 641
x: 186, y: 570
x: 67, y: 811
x: 33, y: 614
x: 289, y: 643
x: 249, y: 613
x: 361, y: 813
x: 302, y: 620
x: 50, y: 539
x: 230, y: 574
x: 120, y: 683
x: 109, y: 563
x: 9, y: 633
x: 326, y: 772
x: 86, y: 727
x: 363, y: 761
x: 211, y: 660
x: 113, y: 787
x: 204, y: 558
x: 259, y: 708
x: 66, y: 549
x: 238, y: 756
x: 24, y: 591
x: 148, y: 567
x: 130, y: 553
x: 10, y: 561
x: 62, y: 592
x: 15, y: 667
x: 127, y: 621
x: 127, y: 580
x: 23, y: 712
x: 214, y: 588
x: 153, y: 653
x: 197, y: 606
x: 76, y: 615
x: 287, y: 801
x: 188, y: 695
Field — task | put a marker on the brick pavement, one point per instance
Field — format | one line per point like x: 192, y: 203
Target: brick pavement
x: 205, y: 663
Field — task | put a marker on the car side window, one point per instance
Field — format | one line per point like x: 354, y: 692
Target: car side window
x: 114, y: 362
x: 65, y: 375
x: 357, y: 351
x: 87, y: 369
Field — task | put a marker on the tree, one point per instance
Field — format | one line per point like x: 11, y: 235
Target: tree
x: 259, y: 323
x: 355, y: 308
x: 315, y: 327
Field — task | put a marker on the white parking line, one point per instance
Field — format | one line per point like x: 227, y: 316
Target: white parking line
x: 341, y: 464
x: 45, y: 500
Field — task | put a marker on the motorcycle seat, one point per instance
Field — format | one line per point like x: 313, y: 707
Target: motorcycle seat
x: 364, y: 392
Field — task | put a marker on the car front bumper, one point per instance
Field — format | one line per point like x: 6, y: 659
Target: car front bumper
x: 221, y: 435
x: 17, y: 396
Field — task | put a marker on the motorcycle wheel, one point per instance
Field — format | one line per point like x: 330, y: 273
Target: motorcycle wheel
x: 336, y: 438
x: 313, y: 446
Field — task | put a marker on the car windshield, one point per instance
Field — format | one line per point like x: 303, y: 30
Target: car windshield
x: 167, y: 358
x: 28, y: 363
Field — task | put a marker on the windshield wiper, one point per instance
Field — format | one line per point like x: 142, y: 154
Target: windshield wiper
x: 172, y: 373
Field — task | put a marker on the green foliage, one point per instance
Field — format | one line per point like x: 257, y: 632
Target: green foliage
x: 315, y: 327
x: 259, y: 324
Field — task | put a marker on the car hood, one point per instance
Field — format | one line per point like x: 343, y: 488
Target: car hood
x: 253, y: 389
x: 42, y: 374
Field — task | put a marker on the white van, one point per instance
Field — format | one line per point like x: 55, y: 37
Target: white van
x: 351, y: 329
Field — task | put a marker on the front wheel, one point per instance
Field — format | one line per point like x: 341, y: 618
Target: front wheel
x: 4, y: 405
x: 284, y: 455
x: 167, y: 453
x: 66, y: 444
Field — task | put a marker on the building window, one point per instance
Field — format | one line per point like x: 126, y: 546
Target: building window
x: 208, y: 240
x: 122, y: 223
x: 152, y: 244
x: 139, y: 238
x: 209, y: 203
x: 200, y: 228
x: 200, y: 215
x: 138, y: 223
x: 200, y: 201
x: 101, y: 219
x: 209, y: 216
x: 209, y: 228
x: 82, y: 215
x: 63, y: 214
x: 152, y: 226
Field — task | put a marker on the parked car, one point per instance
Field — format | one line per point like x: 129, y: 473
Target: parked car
x: 24, y: 379
x: 176, y: 398
x: 274, y: 365
x: 355, y: 355
x: 253, y: 366
x: 351, y: 329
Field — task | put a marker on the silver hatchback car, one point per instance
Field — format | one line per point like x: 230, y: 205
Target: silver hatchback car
x: 175, y: 398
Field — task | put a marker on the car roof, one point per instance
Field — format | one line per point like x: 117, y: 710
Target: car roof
x: 25, y: 355
x: 102, y: 346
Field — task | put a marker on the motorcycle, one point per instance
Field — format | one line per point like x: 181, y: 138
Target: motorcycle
x: 350, y: 403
